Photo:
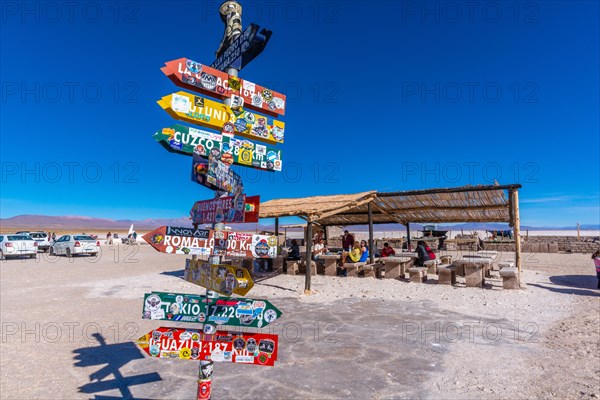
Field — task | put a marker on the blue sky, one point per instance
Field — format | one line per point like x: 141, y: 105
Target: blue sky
x: 444, y: 94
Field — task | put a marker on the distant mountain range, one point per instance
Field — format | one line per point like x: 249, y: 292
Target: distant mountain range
x: 61, y: 223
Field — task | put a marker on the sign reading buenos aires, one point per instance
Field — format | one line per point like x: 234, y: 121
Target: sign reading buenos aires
x: 230, y: 120
x: 226, y: 210
x: 192, y: 75
x: 186, y: 140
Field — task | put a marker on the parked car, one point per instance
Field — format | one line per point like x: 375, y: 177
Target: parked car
x: 70, y: 245
x: 14, y: 245
x: 41, y: 238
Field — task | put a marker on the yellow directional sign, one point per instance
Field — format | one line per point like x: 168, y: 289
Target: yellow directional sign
x: 221, y: 278
x: 211, y: 114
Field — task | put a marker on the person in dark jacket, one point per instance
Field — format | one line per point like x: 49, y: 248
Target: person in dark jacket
x: 422, y: 253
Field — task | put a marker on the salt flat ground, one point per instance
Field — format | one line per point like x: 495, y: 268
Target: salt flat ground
x: 68, y: 327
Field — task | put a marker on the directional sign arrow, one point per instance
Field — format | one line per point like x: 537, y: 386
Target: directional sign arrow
x: 228, y: 209
x: 222, y: 346
x: 201, y: 111
x: 180, y: 240
x: 243, y: 49
x: 186, y: 140
x: 221, y: 278
x: 200, y: 309
x: 192, y: 75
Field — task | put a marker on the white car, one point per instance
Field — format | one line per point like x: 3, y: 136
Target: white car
x: 41, y: 238
x: 70, y: 245
x: 14, y: 245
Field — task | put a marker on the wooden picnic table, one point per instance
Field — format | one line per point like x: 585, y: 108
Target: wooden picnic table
x: 330, y: 260
x: 475, y: 270
x: 395, y: 267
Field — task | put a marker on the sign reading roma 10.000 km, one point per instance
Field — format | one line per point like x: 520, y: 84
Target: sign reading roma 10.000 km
x: 181, y: 240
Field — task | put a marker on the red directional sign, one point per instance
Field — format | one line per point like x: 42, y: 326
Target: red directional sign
x: 192, y: 75
x: 222, y: 346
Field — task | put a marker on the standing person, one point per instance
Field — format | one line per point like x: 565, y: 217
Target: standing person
x: 109, y: 240
x: 347, y: 241
x: 387, y: 250
x: 54, y: 236
x: 596, y: 258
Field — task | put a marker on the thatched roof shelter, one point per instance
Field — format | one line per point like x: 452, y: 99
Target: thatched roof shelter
x: 461, y: 204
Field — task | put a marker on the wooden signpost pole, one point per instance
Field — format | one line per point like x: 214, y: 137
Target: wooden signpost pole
x: 231, y: 15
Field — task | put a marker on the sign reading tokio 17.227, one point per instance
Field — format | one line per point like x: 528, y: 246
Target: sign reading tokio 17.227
x: 222, y: 346
x: 231, y: 121
x: 195, y: 308
x: 192, y: 75
x: 186, y: 140
x: 181, y: 240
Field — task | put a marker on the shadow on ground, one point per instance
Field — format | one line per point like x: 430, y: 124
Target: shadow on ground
x: 580, y: 285
x: 110, y: 358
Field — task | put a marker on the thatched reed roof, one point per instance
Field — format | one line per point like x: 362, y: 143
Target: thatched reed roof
x: 462, y: 204
x: 314, y: 208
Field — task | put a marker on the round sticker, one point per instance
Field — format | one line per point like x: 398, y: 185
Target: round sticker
x: 153, y: 302
x: 270, y: 316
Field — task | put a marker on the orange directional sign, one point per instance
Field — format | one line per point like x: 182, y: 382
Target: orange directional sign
x: 211, y: 114
x: 192, y: 75
x: 221, y: 278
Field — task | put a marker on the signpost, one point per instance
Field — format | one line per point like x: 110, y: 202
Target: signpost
x: 212, y: 155
x: 192, y: 75
x: 194, y: 308
x: 222, y: 346
x: 232, y: 120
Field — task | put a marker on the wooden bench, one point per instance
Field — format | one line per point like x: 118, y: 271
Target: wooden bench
x: 417, y: 274
x: 447, y: 275
x: 293, y: 267
x: 302, y: 268
x: 510, y: 278
x: 431, y: 266
x: 367, y: 270
x: 353, y: 268
x: 506, y: 264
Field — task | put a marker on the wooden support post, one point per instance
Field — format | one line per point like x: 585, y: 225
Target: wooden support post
x: 277, y: 234
x: 408, y: 248
x: 514, y: 199
x: 308, y: 261
x: 371, y: 252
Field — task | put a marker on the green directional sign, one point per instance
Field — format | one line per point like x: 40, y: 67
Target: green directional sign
x: 216, y: 311
x: 186, y: 140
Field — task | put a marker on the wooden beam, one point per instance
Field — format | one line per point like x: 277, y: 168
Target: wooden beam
x: 514, y: 197
x: 308, y: 260
x: 371, y: 253
x: 449, y: 190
